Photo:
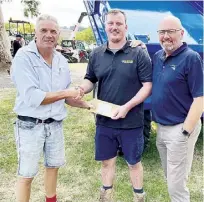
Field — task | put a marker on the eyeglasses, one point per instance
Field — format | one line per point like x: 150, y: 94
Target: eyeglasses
x: 168, y: 31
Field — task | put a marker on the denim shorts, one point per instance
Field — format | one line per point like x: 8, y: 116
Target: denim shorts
x: 107, y: 141
x: 34, y: 139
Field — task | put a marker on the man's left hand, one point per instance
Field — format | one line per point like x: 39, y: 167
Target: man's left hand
x: 120, y: 112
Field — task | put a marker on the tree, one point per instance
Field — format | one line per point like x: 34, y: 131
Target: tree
x: 30, y: 9
x: 86, y: 35
x: 5, y: 55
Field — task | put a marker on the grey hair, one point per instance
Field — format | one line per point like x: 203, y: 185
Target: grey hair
x: 46, y: 17
x: 116, y: 11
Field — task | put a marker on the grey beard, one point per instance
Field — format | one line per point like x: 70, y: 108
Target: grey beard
x: 168, y: 48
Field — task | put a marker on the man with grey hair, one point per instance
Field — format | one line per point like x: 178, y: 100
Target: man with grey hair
x: 177, y: 97
x: 118, y: 67
x: 42, y: 78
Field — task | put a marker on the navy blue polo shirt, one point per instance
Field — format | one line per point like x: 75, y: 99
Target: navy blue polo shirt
x: 177, y: 79
x: 119, y: 78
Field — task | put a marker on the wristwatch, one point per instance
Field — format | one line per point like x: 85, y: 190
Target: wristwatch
x: 185, y: 132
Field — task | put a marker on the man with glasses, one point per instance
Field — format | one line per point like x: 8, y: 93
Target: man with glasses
x: 177, y: 97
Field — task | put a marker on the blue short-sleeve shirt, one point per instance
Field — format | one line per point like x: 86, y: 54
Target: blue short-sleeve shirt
x: 177, y: 79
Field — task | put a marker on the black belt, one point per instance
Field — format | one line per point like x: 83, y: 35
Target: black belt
x: 35, y: 120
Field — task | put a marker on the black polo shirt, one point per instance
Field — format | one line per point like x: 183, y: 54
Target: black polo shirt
x: 119, y: 78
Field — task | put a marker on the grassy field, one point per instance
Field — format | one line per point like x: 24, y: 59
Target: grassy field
x: 79, y: 180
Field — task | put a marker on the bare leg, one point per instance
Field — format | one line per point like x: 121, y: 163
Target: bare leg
x: 108, y: 171
x: 51, y: 181
x: 23, y: 189
x: 136, y: 175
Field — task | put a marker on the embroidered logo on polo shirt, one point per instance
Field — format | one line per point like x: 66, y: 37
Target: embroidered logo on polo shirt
x: 127, y: 61
x: 173, y: 67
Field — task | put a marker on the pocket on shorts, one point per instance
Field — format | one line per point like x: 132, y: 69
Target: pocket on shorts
x: 57, y: 124
x: 26, y: 125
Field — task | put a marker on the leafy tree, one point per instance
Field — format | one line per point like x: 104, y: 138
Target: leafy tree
x: 31, y: 8
x: 86, y: 35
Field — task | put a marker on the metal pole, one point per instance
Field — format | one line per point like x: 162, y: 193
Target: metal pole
x: 23, y: 31
x: 17, y: 28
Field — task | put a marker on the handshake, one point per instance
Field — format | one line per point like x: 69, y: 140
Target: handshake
x: 76, y: 93
x: 74, y: 97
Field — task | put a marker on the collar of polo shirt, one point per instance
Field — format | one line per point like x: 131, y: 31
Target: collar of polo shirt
x: 125, y: 48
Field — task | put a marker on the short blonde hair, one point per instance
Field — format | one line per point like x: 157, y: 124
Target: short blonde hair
x: 116, y: 11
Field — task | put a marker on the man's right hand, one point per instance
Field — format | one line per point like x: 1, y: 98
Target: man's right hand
x: 74, y: 92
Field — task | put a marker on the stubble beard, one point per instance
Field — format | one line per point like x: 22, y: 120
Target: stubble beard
x: 115, y: 40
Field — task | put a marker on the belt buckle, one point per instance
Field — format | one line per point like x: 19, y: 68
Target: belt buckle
x: 39, y: 121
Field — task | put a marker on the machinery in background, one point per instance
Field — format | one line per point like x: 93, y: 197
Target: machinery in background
x: 72, y: 49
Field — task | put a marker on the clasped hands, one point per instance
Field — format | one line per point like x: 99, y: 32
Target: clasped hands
x: 74, y: 98
x: 76, y: 92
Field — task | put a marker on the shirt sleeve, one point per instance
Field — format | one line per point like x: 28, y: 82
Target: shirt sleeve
x: 144, y: 65
x: 90, y: 74
x: 66, y: 64
x: 26, y: 81
x: 70, y: 80
x: 195, y: 76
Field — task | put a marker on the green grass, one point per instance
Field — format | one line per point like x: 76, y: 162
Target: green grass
x: 79, y: 180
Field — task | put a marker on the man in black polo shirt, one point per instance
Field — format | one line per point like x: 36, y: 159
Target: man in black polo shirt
x: 124, y: 76
x: 177, y: 97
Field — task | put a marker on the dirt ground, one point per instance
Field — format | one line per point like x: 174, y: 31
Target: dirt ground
x: 77, y: 74
x: 5, y: 80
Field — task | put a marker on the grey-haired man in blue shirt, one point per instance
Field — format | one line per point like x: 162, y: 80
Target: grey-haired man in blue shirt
x: 42, y: 78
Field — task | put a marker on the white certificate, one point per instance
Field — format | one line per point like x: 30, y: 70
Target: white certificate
x: 102, y: 107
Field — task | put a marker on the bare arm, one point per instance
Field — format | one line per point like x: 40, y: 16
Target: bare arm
x: 87, y: 86
x: 52, y: 97
x: 142, y: 94
x: 77, y: 103
x: 194, y: 114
